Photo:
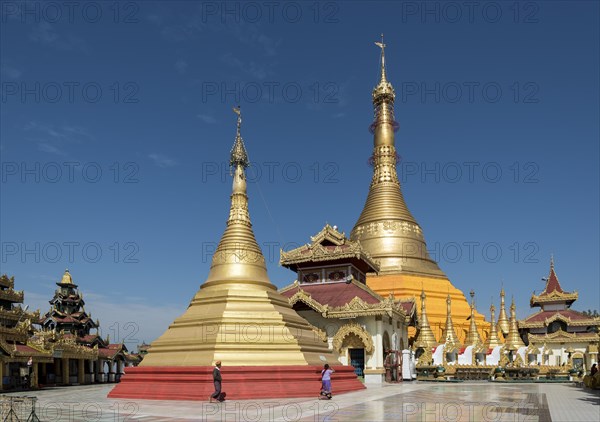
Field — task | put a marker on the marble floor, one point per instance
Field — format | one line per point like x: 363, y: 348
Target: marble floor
x: 416, y: 401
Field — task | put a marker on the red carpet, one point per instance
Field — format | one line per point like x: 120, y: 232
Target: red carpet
x: 239, y: 382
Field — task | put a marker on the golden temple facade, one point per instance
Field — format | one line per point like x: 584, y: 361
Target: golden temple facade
x: 387, y: 230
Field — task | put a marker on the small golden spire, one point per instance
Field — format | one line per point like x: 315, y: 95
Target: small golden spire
x: 513, y: 339
x: 426, y: 338
x: 239, y: 156
x: 503, y: 324
x: 473, y: 337
x: 492, y: 340
x: 449, y: 336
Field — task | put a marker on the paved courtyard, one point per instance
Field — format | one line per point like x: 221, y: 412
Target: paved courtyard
x: 416, y: 401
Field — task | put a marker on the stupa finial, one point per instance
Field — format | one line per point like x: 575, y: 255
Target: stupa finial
x: 239, y: 156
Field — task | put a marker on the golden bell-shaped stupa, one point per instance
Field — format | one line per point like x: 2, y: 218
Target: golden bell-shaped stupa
x: 513, y: 339
x: 449, y: 337
x: 389, y: 232
x: 503, y: 324
x: 492, y: 340
x: 425, y: 338
x: 237, y: 316
x: 473, y: 337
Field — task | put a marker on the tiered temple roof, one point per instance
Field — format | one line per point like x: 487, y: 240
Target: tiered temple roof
x: 553, y: 292
x: 67, y: 313
x: 15, y: 327
x: 341, y: 292
x: 555, y: 322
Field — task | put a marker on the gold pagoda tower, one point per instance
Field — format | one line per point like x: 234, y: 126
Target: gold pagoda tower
x: 513, y: 339
x: 237, y: 317
x: 449, y: 337
x: 425, y: 338
x: 492, y: 340
x: 473, y: 336
x: 388, y: 231
x: 503, y: 324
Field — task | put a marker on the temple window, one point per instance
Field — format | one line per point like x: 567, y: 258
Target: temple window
x: 557, y: 325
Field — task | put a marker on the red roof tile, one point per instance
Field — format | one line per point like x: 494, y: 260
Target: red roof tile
x: 407, y: 306
x: 335, y: 294
x: 567, y: 313
x: 105, y: 352
x: 26, y: 349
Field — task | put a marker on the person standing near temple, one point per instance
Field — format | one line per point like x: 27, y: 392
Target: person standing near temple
x: 217, y: 381
x: 594, y: 370
x: 326, y: 381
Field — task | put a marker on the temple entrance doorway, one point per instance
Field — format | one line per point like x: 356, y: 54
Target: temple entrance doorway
x: 357, y: 360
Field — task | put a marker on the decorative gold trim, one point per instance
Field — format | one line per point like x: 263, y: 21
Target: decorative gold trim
x: 352, y: 328
x: 553, y: 297
x: 561, y: 336
x: 302, y: 296
x: 558, y: 316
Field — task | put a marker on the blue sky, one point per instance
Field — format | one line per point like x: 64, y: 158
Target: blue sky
x: 116, y: 126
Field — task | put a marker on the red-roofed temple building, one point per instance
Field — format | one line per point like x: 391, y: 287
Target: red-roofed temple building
x: 568, y: 337
x: 366, y: 329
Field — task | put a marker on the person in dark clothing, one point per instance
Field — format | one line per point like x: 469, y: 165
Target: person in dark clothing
x: 217, y: 381
x: 594, y: 370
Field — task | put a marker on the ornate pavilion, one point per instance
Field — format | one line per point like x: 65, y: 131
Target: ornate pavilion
x: 566, y: 336
x: 63, y: 351
x: 83, y: 357
x: 331, y: 293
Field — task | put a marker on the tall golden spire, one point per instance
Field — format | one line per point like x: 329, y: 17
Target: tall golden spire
x: 503, y: 324
x: 513, y: 339
x: 473, y: 337
x: 426, y: 338
x: 386, y: 228
x: 449, y: 336
x: 238, y: 256
x: 492, y: 340
x: 237, y: 316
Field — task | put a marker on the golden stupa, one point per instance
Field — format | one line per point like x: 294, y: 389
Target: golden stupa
x: 503, y: 324
x: 513, y: 339
x: 390, y: 234
x: 449, y: 337
x: 425, y: 338
x: 473, y: 337
x: 237, y: 316
x: 492, y: 340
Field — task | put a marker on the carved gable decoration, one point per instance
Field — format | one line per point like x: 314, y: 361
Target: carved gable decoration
x: 358, y: 331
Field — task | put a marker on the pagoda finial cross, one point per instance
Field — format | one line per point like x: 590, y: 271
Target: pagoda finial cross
x: 382, y: 46
x: 238, y: 110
